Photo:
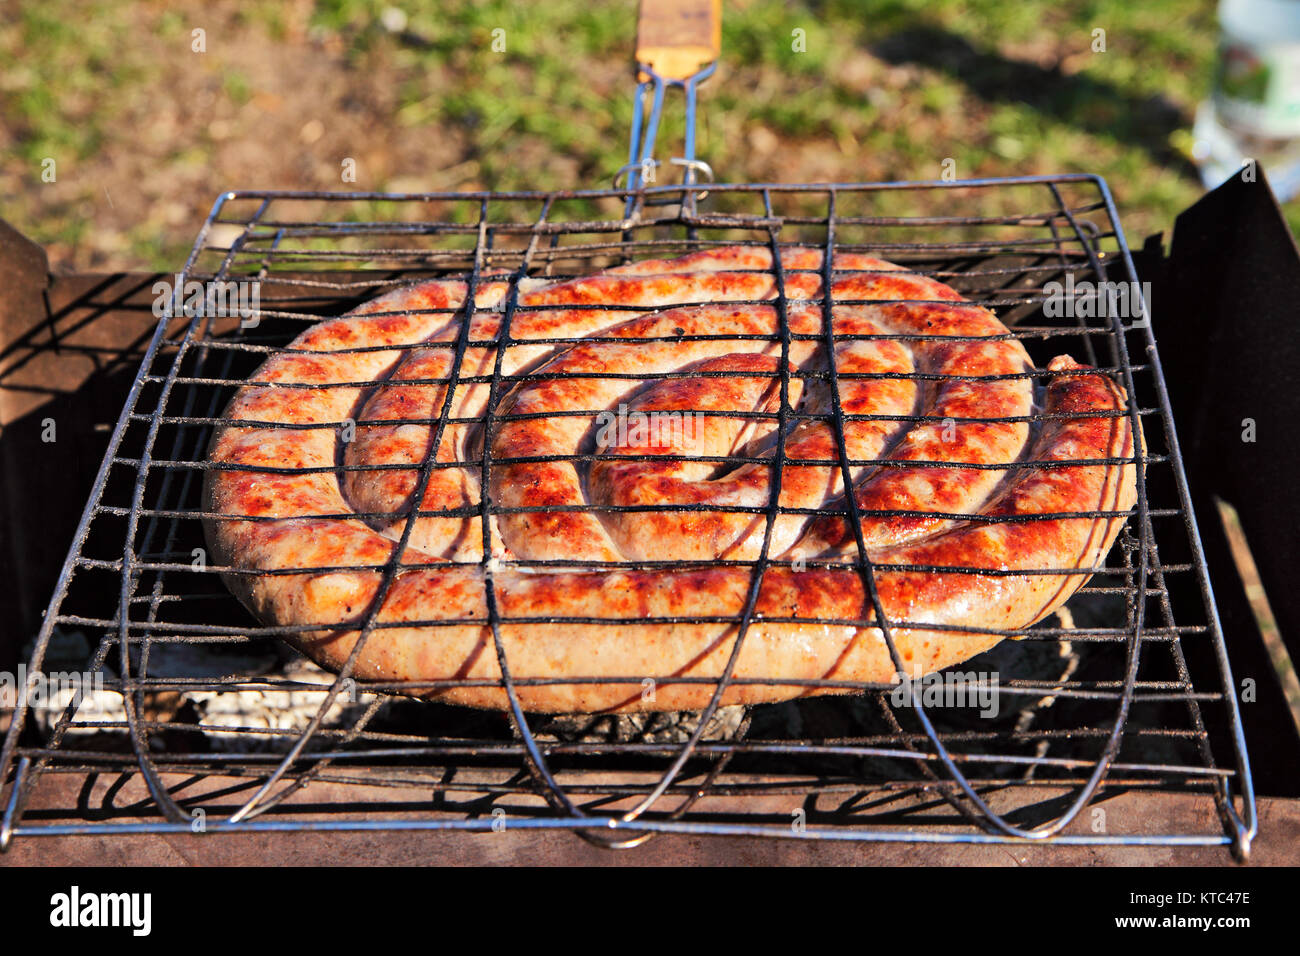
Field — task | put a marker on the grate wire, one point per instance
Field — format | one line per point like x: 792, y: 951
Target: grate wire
x: 332, y: 248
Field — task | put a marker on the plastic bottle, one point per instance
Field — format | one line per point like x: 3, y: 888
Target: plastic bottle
x: 1254, y: 111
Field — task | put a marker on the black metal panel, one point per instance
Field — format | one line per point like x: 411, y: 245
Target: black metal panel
x: 1225, y: 315
x: 69, y: 349
x: 24, y: 274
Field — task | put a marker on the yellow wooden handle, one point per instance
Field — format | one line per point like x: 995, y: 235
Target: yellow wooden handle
x: 677, y: 38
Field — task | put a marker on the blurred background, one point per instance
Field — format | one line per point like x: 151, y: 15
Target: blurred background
x: 144, y: 128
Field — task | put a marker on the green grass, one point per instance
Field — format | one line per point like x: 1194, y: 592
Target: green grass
x: 881, y: 90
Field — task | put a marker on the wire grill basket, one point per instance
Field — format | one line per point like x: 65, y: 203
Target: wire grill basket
x: 1127, y: 687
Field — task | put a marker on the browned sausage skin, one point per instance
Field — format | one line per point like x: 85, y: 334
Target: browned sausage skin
x: 708, y: 339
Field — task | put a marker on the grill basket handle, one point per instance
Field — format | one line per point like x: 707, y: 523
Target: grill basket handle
x: 678, y: 44
x: 677, y: 38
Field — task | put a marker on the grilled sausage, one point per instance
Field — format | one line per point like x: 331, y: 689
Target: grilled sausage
x: 641, y: 611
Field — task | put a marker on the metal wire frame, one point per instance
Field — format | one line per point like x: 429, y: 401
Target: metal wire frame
x: 645, y: 130
x: 192, y: 364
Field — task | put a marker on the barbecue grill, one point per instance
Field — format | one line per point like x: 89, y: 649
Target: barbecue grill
x: 1128, y: 688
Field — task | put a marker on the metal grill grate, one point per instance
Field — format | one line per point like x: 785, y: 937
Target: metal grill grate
x: 1127, y: 688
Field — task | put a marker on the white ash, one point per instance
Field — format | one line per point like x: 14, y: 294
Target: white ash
x: 239, y: 719
x: 228, y: 716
